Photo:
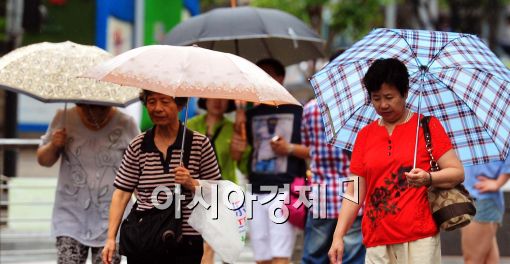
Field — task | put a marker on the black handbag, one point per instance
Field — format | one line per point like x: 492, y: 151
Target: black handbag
x: 153, y: 232
x: 451, y: 208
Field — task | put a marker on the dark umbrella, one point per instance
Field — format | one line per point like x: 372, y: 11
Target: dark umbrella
x: 252, y: 33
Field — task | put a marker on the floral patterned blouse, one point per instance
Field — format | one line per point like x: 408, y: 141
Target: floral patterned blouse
x: 88, y: 167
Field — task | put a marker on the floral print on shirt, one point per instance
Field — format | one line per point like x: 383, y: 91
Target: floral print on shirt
x: 382, y: 201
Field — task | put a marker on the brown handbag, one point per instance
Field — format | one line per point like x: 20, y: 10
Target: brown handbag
x: 451, y: 208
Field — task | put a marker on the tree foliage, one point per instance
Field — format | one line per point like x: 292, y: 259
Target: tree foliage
x: 351, y: 18
x: 356, y: 18
x: 469, y: 16
x: 206, y: 5
x: 310, y: 11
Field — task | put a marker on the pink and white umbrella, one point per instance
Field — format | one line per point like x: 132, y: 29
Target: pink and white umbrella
x: 192, y: 71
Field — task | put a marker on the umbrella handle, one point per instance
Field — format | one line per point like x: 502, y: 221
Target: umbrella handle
x: 240, y: 119
x: 64, y: 119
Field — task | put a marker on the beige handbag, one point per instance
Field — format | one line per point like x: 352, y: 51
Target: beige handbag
x: 451, y: 208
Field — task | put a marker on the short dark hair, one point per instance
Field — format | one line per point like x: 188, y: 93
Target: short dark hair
x: 390, y: 71
x: 231, y: 104
x: 277, y: 66
x: 179, y: 101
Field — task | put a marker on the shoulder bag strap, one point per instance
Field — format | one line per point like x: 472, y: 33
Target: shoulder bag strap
x: 187, y: 147
x: 216, y: 134
x: 428, y: 142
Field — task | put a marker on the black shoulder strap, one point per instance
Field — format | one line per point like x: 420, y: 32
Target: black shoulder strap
x: 214, y: 137
x: 188, y: 141
x: 216, y: 134
x: 425, y: 125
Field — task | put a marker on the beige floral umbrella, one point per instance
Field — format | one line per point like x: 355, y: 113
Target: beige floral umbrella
x: 192, y: 71
x: 47, y: 72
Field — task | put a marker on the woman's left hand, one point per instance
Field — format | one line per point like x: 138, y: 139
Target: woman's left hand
x: 183, y: 177
x: 417, y: 178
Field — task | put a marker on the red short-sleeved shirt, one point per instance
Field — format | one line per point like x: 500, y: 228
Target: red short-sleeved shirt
x: 394, y: 212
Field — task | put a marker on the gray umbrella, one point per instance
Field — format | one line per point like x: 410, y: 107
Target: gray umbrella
x: 252, y: 33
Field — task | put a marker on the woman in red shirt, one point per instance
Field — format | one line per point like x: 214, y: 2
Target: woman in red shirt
x: 397, y: 222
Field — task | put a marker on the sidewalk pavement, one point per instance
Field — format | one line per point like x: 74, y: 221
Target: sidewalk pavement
x: 41, y: 250
x: 445, y: 260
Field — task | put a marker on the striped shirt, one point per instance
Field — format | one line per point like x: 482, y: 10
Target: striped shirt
x: 143, y: 168
x: 328, y: 164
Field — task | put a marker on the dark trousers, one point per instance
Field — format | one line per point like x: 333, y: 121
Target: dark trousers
x: 190, y: 251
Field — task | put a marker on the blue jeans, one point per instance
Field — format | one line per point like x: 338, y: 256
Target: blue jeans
x: 488, y: 211
x: 319, y: 236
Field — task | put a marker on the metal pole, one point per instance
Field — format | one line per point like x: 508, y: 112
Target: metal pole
x: 139, y: 23
x: 14, y: 15
x: 391, y: 15
x: 423, y: 68
x: 11, y: 113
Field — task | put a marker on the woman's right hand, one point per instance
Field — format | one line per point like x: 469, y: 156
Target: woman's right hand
x: 238, y: 145
x: 109, y: 251
x: 58, y: 138
x: 336, y: 251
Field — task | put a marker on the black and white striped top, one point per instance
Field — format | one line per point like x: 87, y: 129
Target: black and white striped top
x: 143, y: 169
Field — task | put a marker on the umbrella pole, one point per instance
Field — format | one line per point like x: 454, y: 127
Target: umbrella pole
x: 177, y: 189
x: 184, y: 132
x: 417, y: 130
x: 65, y: 116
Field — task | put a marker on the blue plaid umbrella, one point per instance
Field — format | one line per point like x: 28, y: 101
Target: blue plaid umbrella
x: 453, y: 77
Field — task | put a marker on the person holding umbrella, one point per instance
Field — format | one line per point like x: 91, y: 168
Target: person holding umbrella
x: 152, y: 160
x: 232, y: 77
x: 397, y: 221
x: 91, y: 140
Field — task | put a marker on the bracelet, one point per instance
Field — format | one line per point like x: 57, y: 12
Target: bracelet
x: 430, y: 178
x: 291, y: 149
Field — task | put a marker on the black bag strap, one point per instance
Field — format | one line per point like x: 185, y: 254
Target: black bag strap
x: 188, y: 141
x: 428, y: 142
x: 214, y: 137
x: 216, y: 134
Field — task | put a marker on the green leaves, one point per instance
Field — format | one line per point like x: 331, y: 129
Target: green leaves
x: 355, y: 18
